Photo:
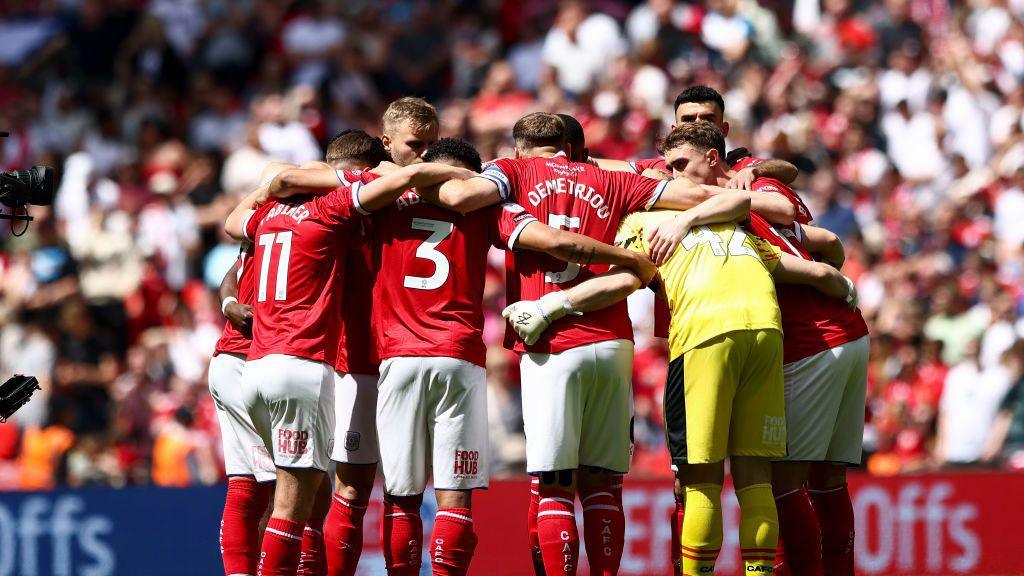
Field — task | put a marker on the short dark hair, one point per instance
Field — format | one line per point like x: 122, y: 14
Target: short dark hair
x: 539, y: 129
x: 454, y: 150
x: 703, y: 136
x: 358, y: 146
x: 573, y: 131
x: 700, y: 94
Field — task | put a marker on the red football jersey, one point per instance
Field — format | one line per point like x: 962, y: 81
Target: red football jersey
x: 583, y: 199
x: 231, y: 340
x: 357, y: 351
x: 430, y: 281
x: 658, y: 163
x: 811, y: 321
x: 299, y: 263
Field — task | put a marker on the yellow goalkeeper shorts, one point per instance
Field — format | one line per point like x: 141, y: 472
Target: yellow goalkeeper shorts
x: 725, y: 397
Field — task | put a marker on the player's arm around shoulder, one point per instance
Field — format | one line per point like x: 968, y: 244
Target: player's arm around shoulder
x: 664, y: 237
x: 823, y: 242
x: 386, y: 189
x: 584, y: 250
x: 822, y: 277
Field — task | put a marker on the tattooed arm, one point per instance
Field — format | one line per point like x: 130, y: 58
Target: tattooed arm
x: 583, y: 250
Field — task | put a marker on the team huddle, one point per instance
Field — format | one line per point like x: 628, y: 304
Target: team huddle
x: 354, y: 340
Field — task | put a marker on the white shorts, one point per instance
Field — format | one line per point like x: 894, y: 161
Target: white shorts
x: 432, y: 413
x: 578, y: 407
x: 825, y: 396
x: 291, y: 402
x: 244, y: 452
x: 355, y: 420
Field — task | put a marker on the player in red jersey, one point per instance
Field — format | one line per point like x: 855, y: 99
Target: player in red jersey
x: 247, y: 463
x: 577, y: 380
x: 825, y: 354
x: 289, y: 378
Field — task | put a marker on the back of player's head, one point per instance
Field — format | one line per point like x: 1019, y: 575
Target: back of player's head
x: 356, y: 147
x: 702, y: 136
x: 539, y: 130
x: 454, y: 151
x: 575, y: 140
x: 700, y: 94
x: 419, y: 113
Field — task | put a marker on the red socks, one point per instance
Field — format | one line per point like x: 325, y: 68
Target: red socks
x: 343, y: 536
x: 401, y: 537
x: 798, y: 529
x: 313, y: 556
x: 835, y: 514
x: 604, y: 527
x: 675, y: 518
x: 282, y: 544
x: 240, y: 524
x: 556, y: 530
x: 453, y: 542
x: 531, y: 527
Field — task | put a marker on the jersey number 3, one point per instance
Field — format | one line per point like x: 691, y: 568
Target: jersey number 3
x: 439, y: 230
x: 267, y: 241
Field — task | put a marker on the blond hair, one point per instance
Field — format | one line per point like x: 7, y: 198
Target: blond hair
x: 417, y: 111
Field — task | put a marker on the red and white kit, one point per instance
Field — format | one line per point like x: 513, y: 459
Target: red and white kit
x: 289, y: 379
x: 432, y: 403
x: 355, y: 398
x: 825, y: 353
x: 244, y: 451
x: 576, y: 379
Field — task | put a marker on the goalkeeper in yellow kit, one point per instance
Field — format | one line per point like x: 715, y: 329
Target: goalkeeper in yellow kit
x: 724, y: 395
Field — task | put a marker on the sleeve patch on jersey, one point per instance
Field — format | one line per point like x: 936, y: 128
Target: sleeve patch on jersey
x: 770, y: 188
x: 497, y: 175
x: 522, y: 221
x: 656, y: 195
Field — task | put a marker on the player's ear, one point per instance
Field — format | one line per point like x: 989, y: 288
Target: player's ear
x: 725, y: 129
x: 712, y: 157
x: 386, y: 141
x: 519, y: 153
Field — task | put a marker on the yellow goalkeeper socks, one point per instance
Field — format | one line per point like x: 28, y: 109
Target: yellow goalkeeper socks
x: 702, y: 528
x: 759, y: 528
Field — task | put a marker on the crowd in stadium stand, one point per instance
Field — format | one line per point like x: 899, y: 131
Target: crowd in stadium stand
x: 904, y: 117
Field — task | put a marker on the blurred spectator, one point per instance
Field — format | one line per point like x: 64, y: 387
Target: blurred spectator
x: 971, y: 398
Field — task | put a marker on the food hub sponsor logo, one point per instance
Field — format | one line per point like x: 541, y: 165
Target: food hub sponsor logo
x: 466, y: 463
x: 46, y: 535
x: 292, y: 441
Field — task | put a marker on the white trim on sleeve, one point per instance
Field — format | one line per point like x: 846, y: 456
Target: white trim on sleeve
x: 656, y: 195
x: 341, y: 177
x: 245, y: 224
x: 514, y: 236
x: 355, y: 199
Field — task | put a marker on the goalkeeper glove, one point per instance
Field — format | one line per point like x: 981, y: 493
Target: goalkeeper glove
x: 529, y: 318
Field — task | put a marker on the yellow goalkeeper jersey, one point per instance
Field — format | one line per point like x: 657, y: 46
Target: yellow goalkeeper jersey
x: 717, y: 281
